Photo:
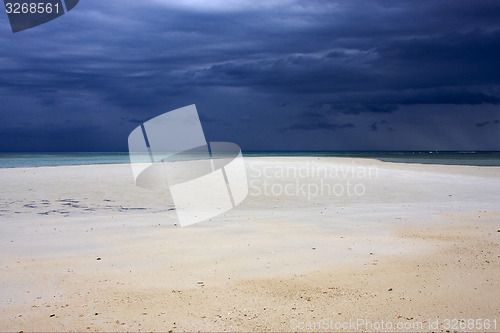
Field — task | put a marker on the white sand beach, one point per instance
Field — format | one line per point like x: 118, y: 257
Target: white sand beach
x: 317, y: 240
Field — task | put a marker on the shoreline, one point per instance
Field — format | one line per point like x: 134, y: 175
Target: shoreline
x: 417, y: 157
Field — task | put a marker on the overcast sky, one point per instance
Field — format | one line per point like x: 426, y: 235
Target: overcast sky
x: 267, y: 75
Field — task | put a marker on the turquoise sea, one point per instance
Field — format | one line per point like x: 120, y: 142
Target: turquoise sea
x: 483, y: 158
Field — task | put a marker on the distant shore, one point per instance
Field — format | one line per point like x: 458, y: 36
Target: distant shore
x: 318, y: 241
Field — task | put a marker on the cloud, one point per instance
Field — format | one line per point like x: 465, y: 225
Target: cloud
x: 136, y: 53
x: 377, y: 125
x: 133, y: 60
x: 488, y: 123
x: 352, y: 108
x: 320, y: 125
x: 224, y: 6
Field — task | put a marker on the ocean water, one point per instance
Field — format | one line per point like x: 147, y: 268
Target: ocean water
x: 23, y: 160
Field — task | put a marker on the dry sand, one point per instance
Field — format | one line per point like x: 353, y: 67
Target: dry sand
x: 84, y: 249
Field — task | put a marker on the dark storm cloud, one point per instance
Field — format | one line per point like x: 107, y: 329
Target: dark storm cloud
x: 380, y: 125
x: 124, y: 62
x: 349, y: 108
x: 59, y: 138
x: 488, y: 123
x: 319, y: 125
x: 307, y: 48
